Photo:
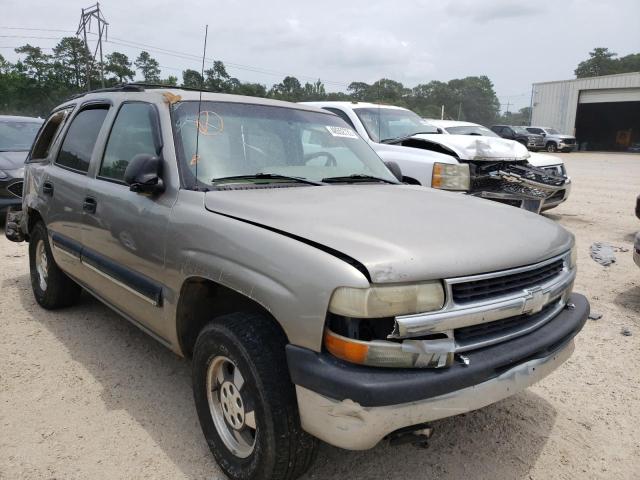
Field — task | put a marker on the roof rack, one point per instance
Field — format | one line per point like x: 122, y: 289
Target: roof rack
x: 137, y: 87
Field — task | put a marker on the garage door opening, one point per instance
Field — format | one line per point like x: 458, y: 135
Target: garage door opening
x: 608, y: 126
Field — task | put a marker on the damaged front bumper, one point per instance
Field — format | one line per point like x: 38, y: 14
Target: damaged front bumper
x: 354, y: 407
x: 522, y: 186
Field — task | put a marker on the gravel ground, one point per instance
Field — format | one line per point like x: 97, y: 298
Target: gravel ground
x: 84, y: 394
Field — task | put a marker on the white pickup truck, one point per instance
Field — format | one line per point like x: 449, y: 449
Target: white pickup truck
x: 482, y: 165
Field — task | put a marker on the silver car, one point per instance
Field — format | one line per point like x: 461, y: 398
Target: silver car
x: 554, y: 141
x: 317, y: 296
x: 16, y: 137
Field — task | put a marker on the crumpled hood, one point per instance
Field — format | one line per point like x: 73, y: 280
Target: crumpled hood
x: 12, y: 160
x: 401, y: 233
x: 473, y: 147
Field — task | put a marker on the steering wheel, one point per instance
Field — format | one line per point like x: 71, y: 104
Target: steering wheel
x: 331, y: 160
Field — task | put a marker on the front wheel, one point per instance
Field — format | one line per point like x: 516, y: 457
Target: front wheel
x: 551, y: 147
x: 246, y: 402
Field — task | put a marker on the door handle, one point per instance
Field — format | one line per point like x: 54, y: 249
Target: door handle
x: 47, y: 188
x: 90, y: 205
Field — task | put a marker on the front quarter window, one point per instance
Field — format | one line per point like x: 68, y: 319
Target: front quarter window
x: 244, y: 140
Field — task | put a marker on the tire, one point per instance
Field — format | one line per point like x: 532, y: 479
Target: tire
x: 272, y: 443
x: 552, y: 147
x: 51, y: 287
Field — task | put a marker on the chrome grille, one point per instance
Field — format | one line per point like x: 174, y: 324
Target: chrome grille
x: 16, y: 189
x: 478, y: 290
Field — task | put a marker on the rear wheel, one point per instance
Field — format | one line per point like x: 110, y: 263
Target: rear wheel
x: 246, y: 402
x: 552, y: 147
x: 51, y: 287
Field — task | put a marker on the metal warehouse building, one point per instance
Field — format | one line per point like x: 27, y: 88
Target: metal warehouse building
x: 602, y: 112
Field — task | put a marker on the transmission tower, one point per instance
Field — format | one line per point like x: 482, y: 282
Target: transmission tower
x: 88, y: 16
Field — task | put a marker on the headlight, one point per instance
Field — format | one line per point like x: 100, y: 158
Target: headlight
x: 3, y: 175
x: 448, y: 176
x: 387, y: 300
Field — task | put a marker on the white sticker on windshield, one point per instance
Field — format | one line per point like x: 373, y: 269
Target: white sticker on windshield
x: 341, y: 132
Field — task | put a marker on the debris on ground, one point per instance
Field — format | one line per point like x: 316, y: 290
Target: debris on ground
x: 595, y: 316
x: 603, y: 253
x: 626, y: 332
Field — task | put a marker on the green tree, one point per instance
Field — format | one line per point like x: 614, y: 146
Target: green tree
x: 217, y: 79
x: 148, y: 67
x: 71, y: 57
x: 36, y: 64
x: 359, y: 90
x: 601, y: 62
x: 171, y: 80
x: 119, y: 65
x: 289, y: 89
x: 192, y: 79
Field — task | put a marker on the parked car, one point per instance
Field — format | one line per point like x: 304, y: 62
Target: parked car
x: 16, y: 137
x: 553, y: 140
x: 490, y: 168
x: 530, y: 140
x: 317, y: 296
x: 550, y: 163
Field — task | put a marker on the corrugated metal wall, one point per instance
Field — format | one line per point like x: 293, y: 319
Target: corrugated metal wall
x: 555, y: 103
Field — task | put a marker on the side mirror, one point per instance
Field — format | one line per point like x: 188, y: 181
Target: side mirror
x: 143, y: 174
x: 543, y: 134
x: 395, y: 169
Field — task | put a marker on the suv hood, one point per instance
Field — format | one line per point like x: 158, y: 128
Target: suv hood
x: 477, y: 148
x: 401, y: 233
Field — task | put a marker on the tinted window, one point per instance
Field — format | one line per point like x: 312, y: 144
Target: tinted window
x: 81, y: 137
x: 342, y: 115
x: 131, y: 135
x: 535, y: 130
x: 49, y: 133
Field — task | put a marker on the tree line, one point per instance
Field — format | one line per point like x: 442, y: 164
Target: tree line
x: 39, y: 81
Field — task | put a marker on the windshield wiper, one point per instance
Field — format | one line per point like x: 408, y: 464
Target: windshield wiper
x: 404, y: 137
x: 265, y: 176
x: 357, y: 177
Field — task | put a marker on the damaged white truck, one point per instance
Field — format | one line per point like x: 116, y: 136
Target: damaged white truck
x: 484, y: 166
x: 268, y: 242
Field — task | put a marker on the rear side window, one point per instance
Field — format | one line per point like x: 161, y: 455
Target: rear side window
x: 49, y: 134
x: 131, y: 135
x: 80, y: 139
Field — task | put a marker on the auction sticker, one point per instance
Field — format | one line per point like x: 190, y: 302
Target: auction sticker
x: 341, y: 132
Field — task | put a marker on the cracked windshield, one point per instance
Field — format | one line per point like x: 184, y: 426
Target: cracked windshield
x: 269, y: 144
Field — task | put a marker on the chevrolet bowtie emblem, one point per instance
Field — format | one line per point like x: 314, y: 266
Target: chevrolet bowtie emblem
x: 535, y: 300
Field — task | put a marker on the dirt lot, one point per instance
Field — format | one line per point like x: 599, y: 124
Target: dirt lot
x: 83, y: 394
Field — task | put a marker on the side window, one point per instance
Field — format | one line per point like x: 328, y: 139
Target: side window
x: 132, y: 134
x: 48, y: 134
x: 342, y: 115
x: 81, y: 137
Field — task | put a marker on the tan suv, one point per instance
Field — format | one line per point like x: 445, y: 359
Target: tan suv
x: 317, y: 296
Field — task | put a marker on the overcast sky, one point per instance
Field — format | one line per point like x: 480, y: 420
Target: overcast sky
x: 514, y: 43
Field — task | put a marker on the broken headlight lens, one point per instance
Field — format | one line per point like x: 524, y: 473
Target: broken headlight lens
x: 381, y: 353
x: 387, y: 300
x: 448, y: 176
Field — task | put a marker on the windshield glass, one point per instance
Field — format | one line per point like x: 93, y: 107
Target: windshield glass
x: 521, y: 130
x: 389, y: 123
x: 238, y: 139
x: 471, y: 130
x: 552, y: 131
x: 17, y: 136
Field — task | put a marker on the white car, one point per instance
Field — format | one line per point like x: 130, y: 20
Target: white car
x: 485, y: 166
x: 551, y: 163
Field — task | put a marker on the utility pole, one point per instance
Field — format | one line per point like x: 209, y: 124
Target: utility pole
x: 88, y: 15
x: 442, y: 113
x: 508, y: 105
